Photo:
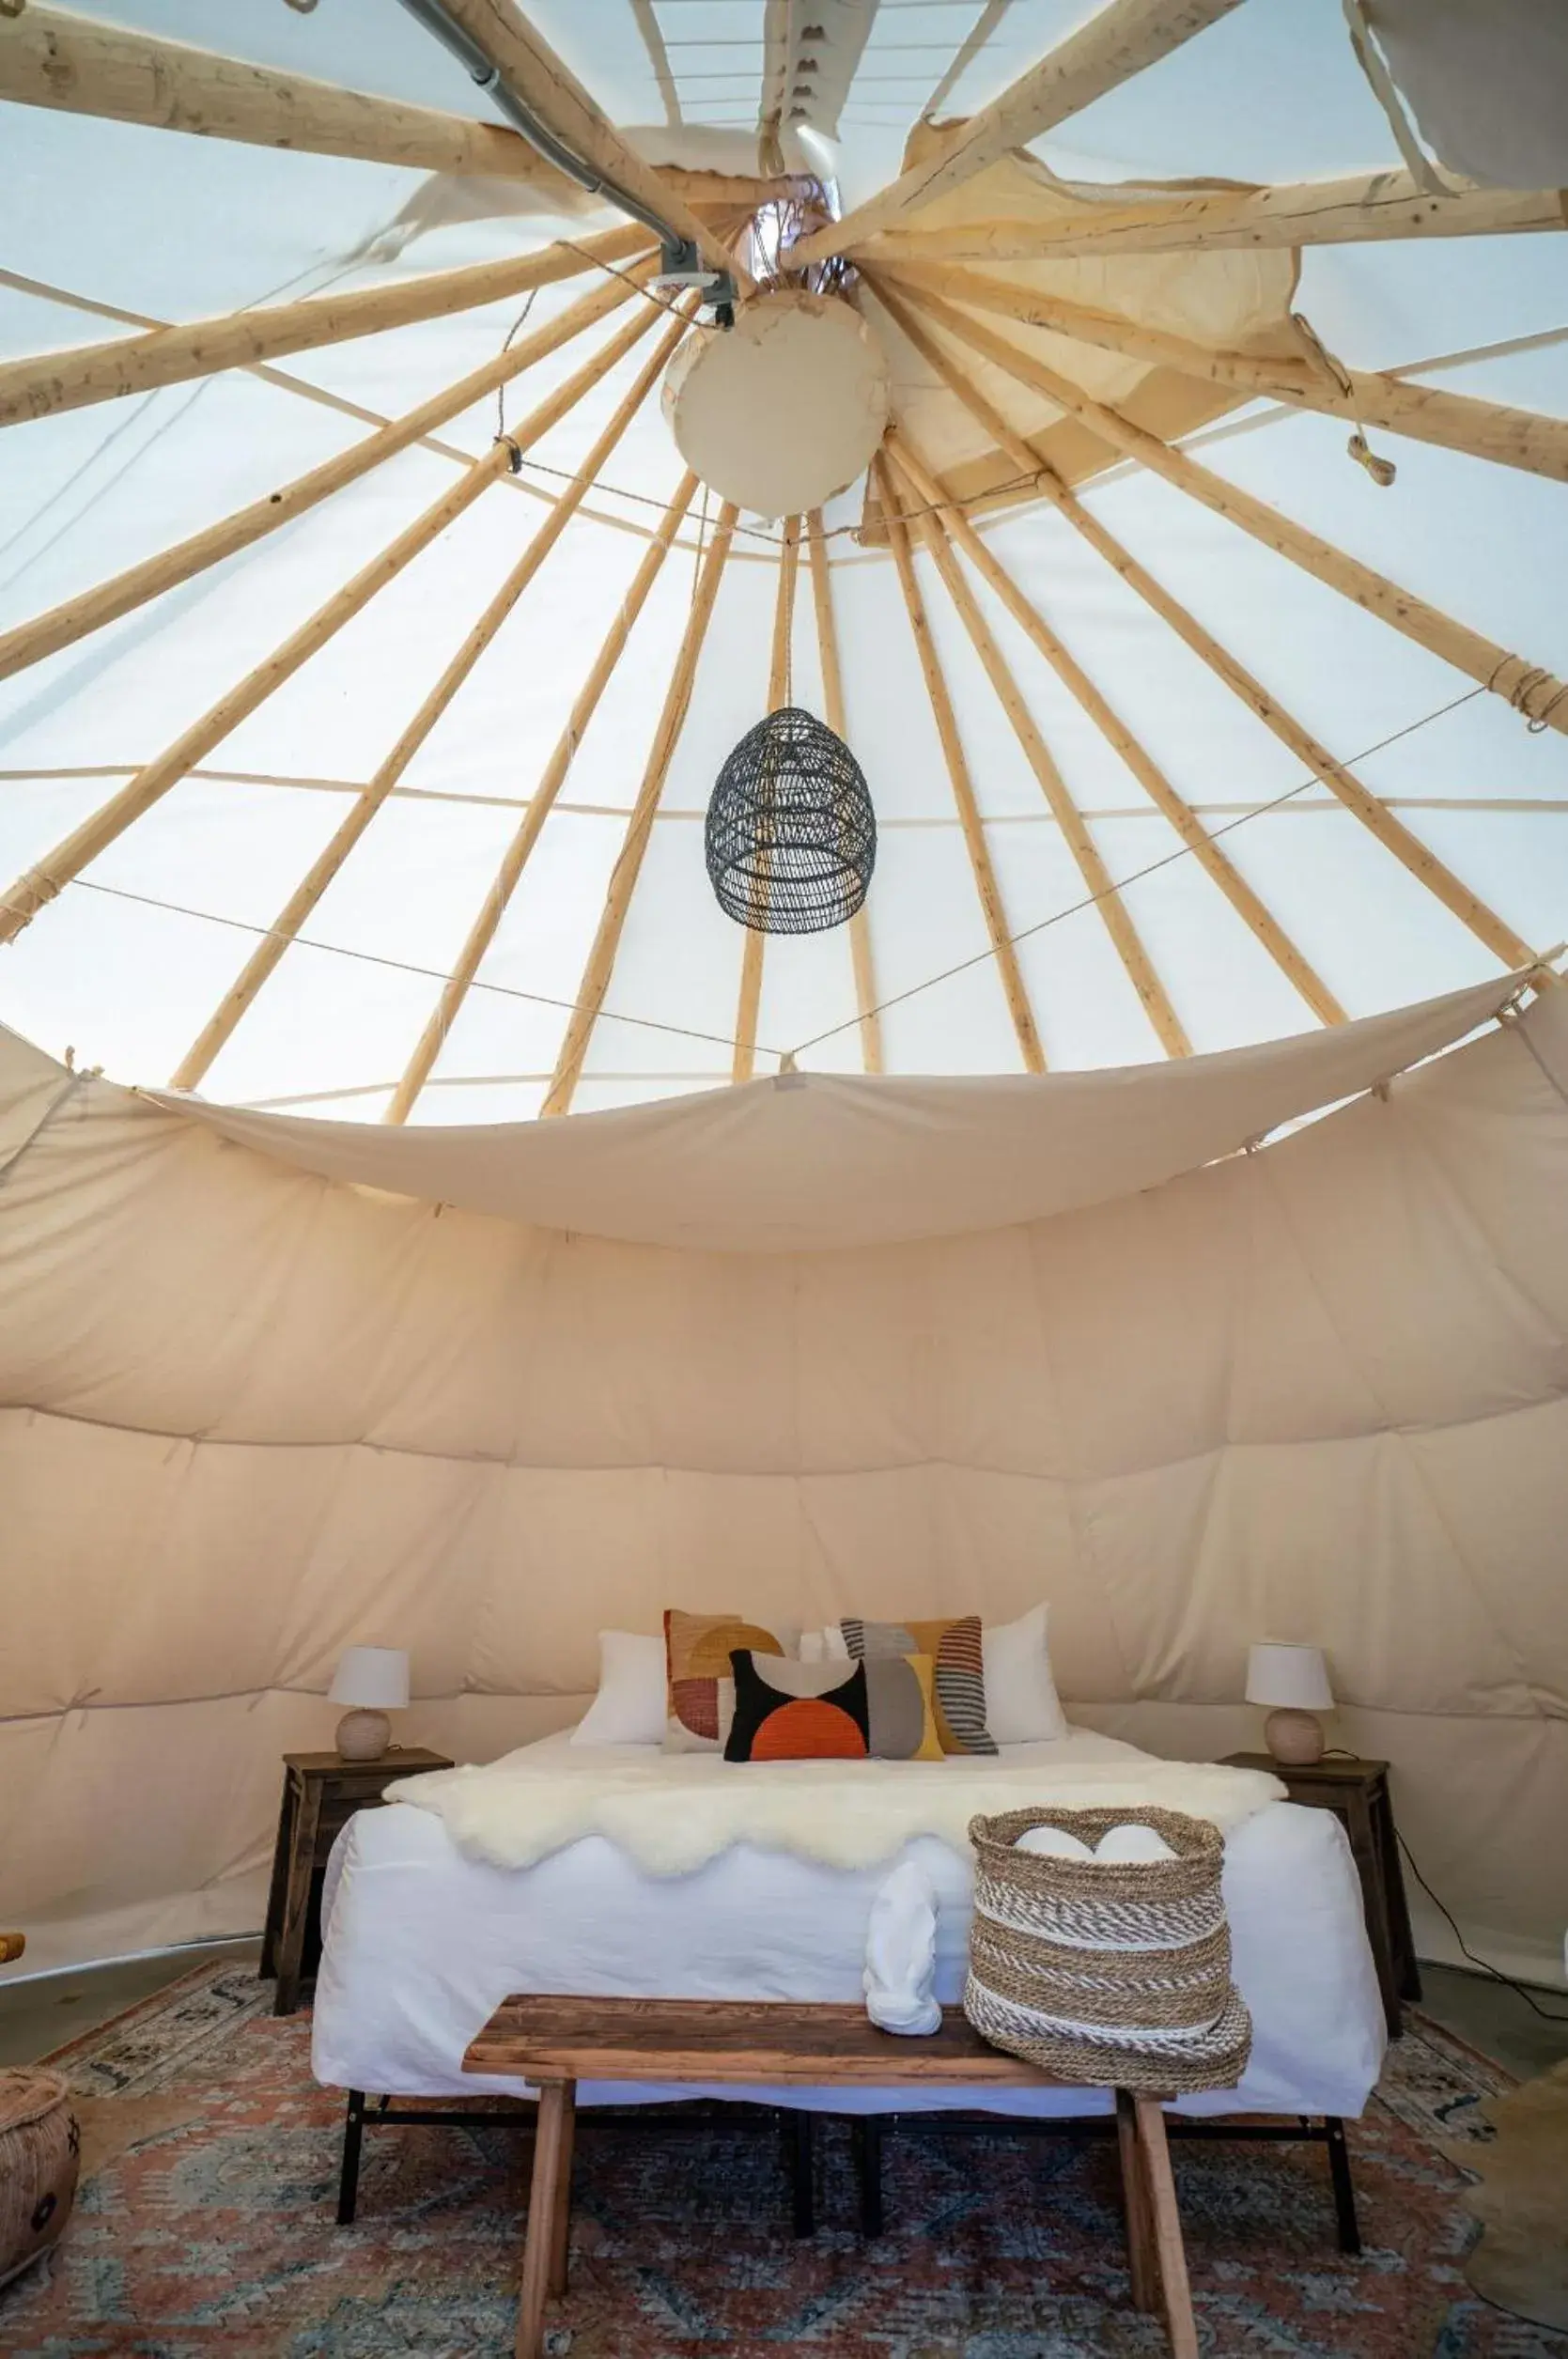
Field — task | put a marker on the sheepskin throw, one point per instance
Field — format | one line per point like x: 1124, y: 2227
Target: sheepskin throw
x: 673, y: 1812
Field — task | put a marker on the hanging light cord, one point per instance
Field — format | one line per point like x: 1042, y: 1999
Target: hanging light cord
x: 519, y: 322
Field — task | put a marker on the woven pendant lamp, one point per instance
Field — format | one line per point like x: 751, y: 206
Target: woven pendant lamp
x: 791, y: 836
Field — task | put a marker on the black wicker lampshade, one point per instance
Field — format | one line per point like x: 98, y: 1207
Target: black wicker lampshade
x: 791, y: 835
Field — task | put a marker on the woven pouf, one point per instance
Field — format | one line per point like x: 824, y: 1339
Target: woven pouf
x: 38, y: 2153
x: 1110, y: 1976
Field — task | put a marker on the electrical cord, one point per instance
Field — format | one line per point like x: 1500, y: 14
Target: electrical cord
x: 1343, y: 1753
x: 1484, y: 1965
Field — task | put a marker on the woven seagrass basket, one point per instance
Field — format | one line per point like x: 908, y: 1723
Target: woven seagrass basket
x: 1110, y: 1976
x: 39, y: 2154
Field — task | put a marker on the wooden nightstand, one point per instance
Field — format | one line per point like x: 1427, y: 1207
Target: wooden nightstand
x: 320, y: 1793
x: 1357, y: 1791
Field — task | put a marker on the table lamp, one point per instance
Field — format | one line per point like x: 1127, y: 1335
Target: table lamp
x: 1293, y: 1682
x: 374, y: 1680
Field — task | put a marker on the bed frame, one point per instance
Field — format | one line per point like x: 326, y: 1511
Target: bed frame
x: 796, y: 2130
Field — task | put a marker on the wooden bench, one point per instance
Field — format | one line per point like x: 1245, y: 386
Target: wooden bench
x: 555, y: 2043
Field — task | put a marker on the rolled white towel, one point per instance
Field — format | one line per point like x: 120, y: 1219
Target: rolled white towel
x: 900, y: 1953
x: 1118, y: 1846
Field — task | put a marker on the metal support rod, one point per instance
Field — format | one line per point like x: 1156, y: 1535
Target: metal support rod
x: 679, y: 254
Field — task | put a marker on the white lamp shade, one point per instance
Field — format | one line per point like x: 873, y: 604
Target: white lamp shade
x: 1283, y: 1677
x: 376, y: 1678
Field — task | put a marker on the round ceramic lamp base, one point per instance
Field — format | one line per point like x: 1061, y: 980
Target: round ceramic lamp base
x: 1294, y: 1738
x: 363, y: 1736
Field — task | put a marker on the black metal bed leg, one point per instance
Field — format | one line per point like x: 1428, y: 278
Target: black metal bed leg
x: 1344, y: 2185
x: 866, y: 2138
x: 800, y: 2132
x: 348, y: 2183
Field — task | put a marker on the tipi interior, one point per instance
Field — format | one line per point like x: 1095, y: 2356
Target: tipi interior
x: 786, y: 818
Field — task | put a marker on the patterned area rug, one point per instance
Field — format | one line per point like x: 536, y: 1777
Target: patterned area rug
x: 207, y: 2227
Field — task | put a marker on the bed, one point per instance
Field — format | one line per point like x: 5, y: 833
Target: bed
x: 422, y: 1941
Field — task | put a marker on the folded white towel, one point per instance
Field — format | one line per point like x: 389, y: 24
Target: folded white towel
x: 1116, y: 1846
x: 900, y: 1953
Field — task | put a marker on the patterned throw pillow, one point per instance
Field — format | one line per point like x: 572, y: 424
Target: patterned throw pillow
x: 697, y: 1651
x: 958, y: 1678
x: 787, y: 1711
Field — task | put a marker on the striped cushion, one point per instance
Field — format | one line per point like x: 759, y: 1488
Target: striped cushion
x: 959, y: 1677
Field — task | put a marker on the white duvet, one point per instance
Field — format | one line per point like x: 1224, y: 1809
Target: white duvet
x: 422, y: 1941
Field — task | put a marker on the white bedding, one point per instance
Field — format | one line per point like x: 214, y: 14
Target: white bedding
x: 423, y: 1943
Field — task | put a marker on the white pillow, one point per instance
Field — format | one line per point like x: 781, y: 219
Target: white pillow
x: 1021, y: 1704
x: 629, y: 1706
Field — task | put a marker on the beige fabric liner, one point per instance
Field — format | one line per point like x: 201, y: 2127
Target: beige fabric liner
x: 815, y: 1160
x: 1226, y: 301
x: 1316, y: 1392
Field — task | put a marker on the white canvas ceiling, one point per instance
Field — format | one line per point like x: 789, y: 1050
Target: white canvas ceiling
x: 815, y: 1162
x: 132, y: 960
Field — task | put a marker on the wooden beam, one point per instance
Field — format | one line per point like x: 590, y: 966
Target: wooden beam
x: 837, y: 721
x: 1406, y: 848
x: 152, y: 782
x: 1529, y: 688
x: 90, y: 610
x: 1013, y: 983
x: 1297, y: 970
x: 623, y: 882
x: 1121, y: 40
x: 531, y: 68
x: 1483, y: 429
x: 1359, y: 209
x: 55, y: 58
x: 482, y: 932
x: 296, y: 911
x: 84, y: 374
x: 743, y: 1062
x: 1097, y: 880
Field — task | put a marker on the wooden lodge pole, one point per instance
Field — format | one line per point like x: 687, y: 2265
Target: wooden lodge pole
x: 1362, y: 207
x: 1121, y: 40
x: 297, y: 909
x: 833, y: 698
x: 532, y: 68
x: 1484, y: 429
x: 623, y: 880
x: 482, y: 932
x: 1014, y: 987
x: 1534, y: 692
x: 1266, y: 928
x: 83, y: 374
x: 78, y: 65
x: 90, y: 610
x: 744, y: 1059
x: 1097, y: 880
x: 1314, y: 756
